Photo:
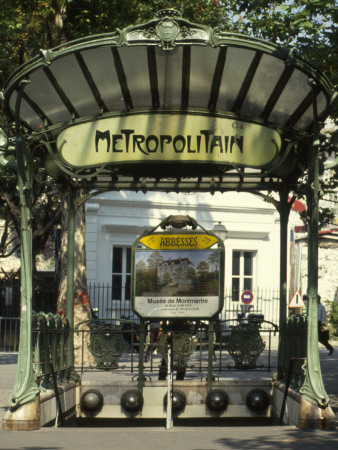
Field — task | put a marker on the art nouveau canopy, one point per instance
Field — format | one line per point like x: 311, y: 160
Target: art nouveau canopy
x: 170, y: 99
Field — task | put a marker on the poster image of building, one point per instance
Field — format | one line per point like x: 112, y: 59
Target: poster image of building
x: 177, y: 272
x: 180, y: 283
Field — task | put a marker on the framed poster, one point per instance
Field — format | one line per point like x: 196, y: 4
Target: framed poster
x: 179, y: 280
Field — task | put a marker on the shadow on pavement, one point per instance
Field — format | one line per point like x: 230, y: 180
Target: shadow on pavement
x: 8, y: 358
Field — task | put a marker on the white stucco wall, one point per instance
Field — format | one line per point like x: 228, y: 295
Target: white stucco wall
x: 327, y: 259
x: 116, y: 218
x: 327, y: 271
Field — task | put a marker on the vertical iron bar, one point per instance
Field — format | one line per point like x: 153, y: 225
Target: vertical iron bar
x: 169, y: 421
x: 141, y: 357
x: 210, y: 353
x: 200, y: 339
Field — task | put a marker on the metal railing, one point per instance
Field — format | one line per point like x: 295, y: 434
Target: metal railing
x: 9, y: 334
x: 111, y: 318
x: 118, y: 345
x: 294, y: 336
x: 44, y: 295
x: 51, y: 334
x: 9, y: 298
x: 266, y: 302
x: 44, y: 299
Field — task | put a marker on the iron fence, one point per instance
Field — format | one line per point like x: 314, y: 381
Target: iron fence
x: 44, y: 299
x: 9, y: 334
x: 51, y: 334
x: 110, y: 315
x: 293, y: 351
x: 118, y: 345
x: 105, y: 306
x: 9, y: 298
x: 44, y: 294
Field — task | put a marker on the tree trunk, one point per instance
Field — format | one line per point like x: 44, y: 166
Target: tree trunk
x: 82, y: 305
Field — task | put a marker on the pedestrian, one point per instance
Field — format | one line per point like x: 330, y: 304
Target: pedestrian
x: 323, y: 335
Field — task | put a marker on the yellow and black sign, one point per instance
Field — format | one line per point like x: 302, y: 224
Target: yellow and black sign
x: 173, y: 138
x: 178, y: 241
x: 177, y: 273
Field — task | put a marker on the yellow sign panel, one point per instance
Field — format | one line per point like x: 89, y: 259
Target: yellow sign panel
x: 161, y: 138
x: 178, y: 241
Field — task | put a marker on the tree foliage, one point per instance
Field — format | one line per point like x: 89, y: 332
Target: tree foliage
x: 26, y: 26
x: 308, y: 25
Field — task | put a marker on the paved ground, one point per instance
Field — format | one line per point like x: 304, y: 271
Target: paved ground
x: 192, y: 436
x: 178, y: 438
x: 7, y: 377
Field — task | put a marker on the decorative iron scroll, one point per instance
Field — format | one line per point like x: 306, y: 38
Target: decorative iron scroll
x: 245, y: 345
x: 167, y: 29
x: 107, y: 345
x: 183, y: 346
x: 50, y: 348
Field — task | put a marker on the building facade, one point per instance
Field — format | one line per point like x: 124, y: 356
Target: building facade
x: 115, y: 219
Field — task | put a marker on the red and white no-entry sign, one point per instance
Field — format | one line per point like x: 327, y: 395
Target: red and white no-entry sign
x: 247, y: 297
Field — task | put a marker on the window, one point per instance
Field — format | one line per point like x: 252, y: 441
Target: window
x: 121, y: 273
x: 242, y: 272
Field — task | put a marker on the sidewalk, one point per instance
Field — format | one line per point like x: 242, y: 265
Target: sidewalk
x: 178, y: 438
x: 7, y: 377
x: 194, y: 436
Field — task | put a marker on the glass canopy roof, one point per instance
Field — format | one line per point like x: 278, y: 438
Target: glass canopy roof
x: 169, y: 64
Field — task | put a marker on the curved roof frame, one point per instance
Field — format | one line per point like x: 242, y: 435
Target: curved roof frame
x: 171, y: 66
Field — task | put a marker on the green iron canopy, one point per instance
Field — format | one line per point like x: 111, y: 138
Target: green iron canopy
x: 173, y: 68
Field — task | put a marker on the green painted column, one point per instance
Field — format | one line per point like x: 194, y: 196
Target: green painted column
x: 314, y: 407
x: 313, y: 387
x: 25, y: 389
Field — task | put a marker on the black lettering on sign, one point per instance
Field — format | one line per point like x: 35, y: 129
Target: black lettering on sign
x: 165, y: 143
x: 179, y: 143
x: 152, y: 143
x: 116, y: 137
x: 127, y: 134
x: 102, y: 136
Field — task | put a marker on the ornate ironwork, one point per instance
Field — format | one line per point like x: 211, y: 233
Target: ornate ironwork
x: 50, y: 345
x: 167, y: 30
x: 245, y: 345
x: 107, y: 345
x: 183, y: 346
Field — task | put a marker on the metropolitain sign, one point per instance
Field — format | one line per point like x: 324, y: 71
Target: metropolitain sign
x: 161, y: 138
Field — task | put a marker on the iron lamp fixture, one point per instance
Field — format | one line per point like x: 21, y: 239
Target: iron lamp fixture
x: 220, y: 231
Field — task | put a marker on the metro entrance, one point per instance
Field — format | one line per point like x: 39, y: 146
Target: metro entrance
x: 136, y: 110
